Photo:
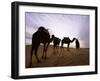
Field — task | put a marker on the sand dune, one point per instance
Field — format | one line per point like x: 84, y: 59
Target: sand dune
x: 59, y: 57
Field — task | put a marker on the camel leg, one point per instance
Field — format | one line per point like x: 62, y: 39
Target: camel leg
x: 58, y: 48
x: 54, y: 49
x: 68, y: 47
x: 62, y: 46
x: 46, y: 50
x: 43, y: 51
x: 31, y: 57
x: 36, y: 49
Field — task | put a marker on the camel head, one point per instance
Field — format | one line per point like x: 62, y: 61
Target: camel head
x: 52, y: 37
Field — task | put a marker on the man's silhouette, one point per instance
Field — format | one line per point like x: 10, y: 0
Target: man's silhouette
x: 77, y: 44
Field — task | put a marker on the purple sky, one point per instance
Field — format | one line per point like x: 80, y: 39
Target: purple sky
x: 61, y: 25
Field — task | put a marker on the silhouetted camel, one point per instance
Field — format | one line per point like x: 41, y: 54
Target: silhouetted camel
x: 56, y: 42
x: 66, y: 40
x: 40, y: 36
x: 77, y: 44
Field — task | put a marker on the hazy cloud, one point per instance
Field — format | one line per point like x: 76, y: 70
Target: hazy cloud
x: 61, y: 25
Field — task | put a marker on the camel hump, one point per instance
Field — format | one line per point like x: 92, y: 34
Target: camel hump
x: 41, y: 28
x: 66, y: 39
x: 56, y: 38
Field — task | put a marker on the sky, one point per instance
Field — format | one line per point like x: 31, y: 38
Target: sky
x: 61, y: 25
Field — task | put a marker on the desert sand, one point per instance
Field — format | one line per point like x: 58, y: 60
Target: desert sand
x: 58, y: 57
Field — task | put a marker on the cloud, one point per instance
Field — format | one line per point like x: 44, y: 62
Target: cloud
x: 61, y: 25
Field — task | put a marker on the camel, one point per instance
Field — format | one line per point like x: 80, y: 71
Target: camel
x: 66, y: 40
x: 56, y: 42
x: 40, y: 36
